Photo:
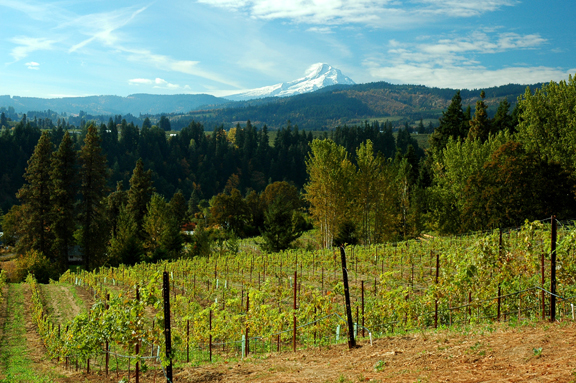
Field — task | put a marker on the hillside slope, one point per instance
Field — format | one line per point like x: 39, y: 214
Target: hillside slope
x: 352, y: 104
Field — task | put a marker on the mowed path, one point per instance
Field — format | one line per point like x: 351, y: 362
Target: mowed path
x: 21, y: 351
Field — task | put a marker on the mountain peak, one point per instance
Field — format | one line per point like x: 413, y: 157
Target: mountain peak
x: 317, y: 76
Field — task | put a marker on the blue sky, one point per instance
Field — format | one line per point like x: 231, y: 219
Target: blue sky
x: 219, y: 47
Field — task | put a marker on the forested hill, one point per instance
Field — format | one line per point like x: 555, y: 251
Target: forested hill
x: 351, y: 104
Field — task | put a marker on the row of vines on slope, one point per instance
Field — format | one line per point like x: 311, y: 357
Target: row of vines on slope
x: 251, y: 293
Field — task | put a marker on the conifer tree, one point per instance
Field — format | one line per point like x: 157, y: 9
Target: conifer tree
x: 453, y: 123
x: 35, y: 197
x: 178, y: 208
x: 115, y: 202
x: 125, y: 246
x: 140, y: 193
x: 92, y: 206
x: 163, y: 238
x: 64, y: 181
x: 282, y: 225
x: 480, y: 125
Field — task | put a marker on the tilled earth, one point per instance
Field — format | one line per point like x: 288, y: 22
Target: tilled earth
x: 534, y: 352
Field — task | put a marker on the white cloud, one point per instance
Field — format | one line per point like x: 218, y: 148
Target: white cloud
x: 324, y: 30
x: 163, y: 84
x: 454, y: 62
x: 379, y: 13
x: 27, y: 45
x: 466, y: 77
x: 140, y: 81
x: 32, y: 65
x: 157, y: 83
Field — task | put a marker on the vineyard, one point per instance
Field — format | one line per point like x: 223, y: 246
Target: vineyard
x: 233, y: 304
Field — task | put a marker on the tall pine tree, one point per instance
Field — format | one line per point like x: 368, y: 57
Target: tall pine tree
x: 92, y: 206
x: 139, y: 195
x: 64, y: 179
x: 35, y: 197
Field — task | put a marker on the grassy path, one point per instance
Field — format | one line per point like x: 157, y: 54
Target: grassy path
x: 17, y: 362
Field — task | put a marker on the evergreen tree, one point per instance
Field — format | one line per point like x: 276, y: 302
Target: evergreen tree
x: 125, y: 246
x: 35, y: 197
x: 164, y: 123
x: 146, y: 123
x: 503, y: 121
x: 421, y: 128
x: 116, y: 200
x: 93, y: 235
x: 452, y: 124
x: 178, y: 207
x: 163, y: 239
x: 140, y: 193
x: 480, y: 125
x: 64, y: 178
x: 282, y: 225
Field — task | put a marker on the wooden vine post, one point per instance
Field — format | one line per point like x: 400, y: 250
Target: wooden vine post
x: 542, y: 285
x: 294, y: 316
x: 363, y: 309
x: 167, y: 332
x: 553, y: 271
x: 351, y: 340
x: 247, y: 309
x: 436, y: 301
x: 137, y: 343
x: 210, y: 332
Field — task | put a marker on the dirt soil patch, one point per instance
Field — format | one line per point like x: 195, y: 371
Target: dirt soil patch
x: 538, y: 353
x: 60, y: 302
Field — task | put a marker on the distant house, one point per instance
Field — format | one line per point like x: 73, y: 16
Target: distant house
x: 75, y: 256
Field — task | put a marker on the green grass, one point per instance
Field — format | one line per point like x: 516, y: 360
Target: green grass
x: 15, y: 363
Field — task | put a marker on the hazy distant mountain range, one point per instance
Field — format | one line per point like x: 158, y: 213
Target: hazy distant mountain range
x: 111, y: 105
x: 324, y: 98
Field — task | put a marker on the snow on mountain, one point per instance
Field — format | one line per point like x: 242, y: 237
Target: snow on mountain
x: 317, y: 76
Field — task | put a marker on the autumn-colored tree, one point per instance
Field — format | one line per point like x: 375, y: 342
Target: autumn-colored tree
x: 329, y: 189
x: 373, y: 196
x: 230, y: 211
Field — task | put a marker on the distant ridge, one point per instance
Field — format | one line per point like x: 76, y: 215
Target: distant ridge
x: 111, y: 105
x: 317, y: 76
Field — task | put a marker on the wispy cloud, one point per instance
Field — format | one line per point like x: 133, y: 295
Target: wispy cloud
x: 101, y: 27
x: 32, y: 65
x: 378, y: 13
x: 168, y: 63
x: 27, y: 45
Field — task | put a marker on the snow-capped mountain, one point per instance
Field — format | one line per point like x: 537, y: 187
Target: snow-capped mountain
x: 317, y: 76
